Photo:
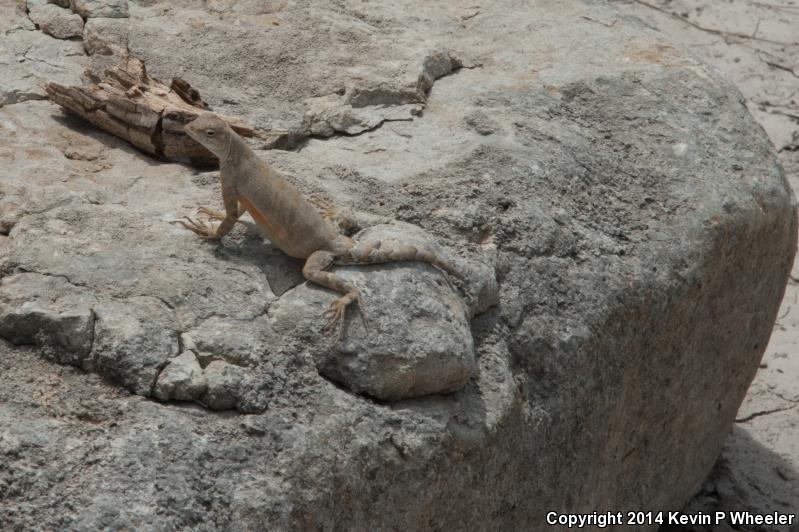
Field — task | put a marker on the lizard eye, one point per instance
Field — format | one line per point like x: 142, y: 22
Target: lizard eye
x: 209, y: 132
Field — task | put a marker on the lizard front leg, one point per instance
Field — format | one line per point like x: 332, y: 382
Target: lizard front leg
x: 314, y: 270
x: 218, y: 215
x: 232, y: 213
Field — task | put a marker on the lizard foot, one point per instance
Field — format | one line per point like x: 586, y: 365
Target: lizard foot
x: 203, y: 230
x: 337, y: 312
x: 211, y: 214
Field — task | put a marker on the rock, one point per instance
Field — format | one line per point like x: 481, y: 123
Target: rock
x: 133, y: 341
x: 60, y: 3
x: 182, y: 379
x: 50, y: 313
x: 56, y: 21
x: 223, y: 384
x: 417, y: 341
x: 106, y: 36
x: 435, y: 65
x: 622, y: 207
x: 100, y: 8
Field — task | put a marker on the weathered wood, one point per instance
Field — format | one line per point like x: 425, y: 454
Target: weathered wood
x: 130, y: 104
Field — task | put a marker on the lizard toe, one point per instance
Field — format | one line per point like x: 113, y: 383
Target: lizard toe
x: 202, y: 229
x: 362, y: 309
x: 211, y: 214
x: 335, y: 315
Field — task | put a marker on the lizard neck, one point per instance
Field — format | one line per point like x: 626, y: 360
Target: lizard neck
x: 235, y: 149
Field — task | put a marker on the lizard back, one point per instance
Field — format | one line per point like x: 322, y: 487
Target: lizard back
x: 289, y: 220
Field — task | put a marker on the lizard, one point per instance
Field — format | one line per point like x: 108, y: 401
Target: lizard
x: 293, y: 223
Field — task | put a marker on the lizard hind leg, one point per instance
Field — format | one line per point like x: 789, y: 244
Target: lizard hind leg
x: 343, y: 218
x: 315, y: 271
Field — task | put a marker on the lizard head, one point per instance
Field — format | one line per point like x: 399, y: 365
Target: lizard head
x: 212, y: 132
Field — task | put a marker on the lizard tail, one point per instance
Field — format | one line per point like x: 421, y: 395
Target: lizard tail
x: 430, y: 257
x: 382, y: 253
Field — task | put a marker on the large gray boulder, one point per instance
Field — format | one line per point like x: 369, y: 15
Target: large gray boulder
x: 624, y: 229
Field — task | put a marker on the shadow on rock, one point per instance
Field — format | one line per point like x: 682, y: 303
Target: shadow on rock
x: 748, y: 477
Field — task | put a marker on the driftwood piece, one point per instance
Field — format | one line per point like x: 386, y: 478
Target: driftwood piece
x: 130, y: 104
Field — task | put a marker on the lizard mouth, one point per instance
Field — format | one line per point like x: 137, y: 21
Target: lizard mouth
x: 190, y: 132
x: 187, y: 122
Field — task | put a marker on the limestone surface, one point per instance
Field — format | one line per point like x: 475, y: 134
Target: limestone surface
x: 29, y: 57
x: 105, y: 36
x: 600, y: 188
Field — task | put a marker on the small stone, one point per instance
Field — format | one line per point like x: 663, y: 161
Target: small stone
x: 56, y: 21
x: 255, y: 425
x: 481, y: 123
x: 785, y: 474
x: 225, y: 384
x: 437, y: 64
x: 100, y: 8
x: 182, y: 379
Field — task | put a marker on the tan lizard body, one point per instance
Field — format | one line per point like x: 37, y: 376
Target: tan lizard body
x: 289, y: 220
